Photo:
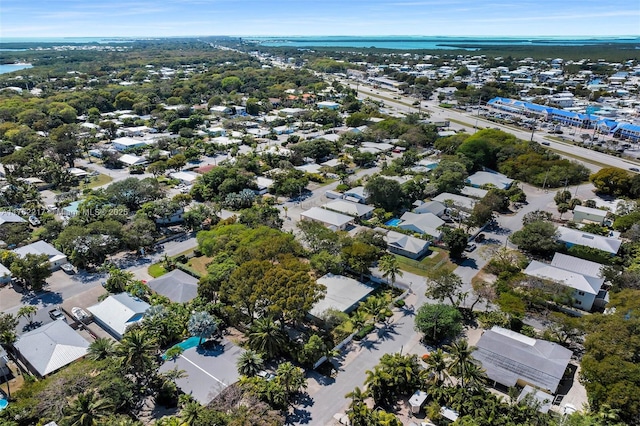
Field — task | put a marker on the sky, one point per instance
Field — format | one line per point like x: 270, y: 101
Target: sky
x: 168, y: 18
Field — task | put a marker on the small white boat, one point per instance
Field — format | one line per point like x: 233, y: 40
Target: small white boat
x: 79, y: 313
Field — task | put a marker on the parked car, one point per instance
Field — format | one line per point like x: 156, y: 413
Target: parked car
x: 34, y: 221
x: 480, y: 238
x: 470, y: 247
x: 56, y: 314
x: 545, y: 143
x: 634, y: 169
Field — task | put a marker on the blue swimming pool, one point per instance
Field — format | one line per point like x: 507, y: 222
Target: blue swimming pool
x: 3, y: 404
x: 393, y: 222
x: 191, y: 342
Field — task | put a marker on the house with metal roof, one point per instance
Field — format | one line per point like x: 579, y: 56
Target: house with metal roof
x: 343, y: 294
x: 117, y: 312
x: 357, y: 194
x: 56, y: 258
x: 511, y: 359
x: 124, y: 143
x: 589, y: 215
x: 575, y: 264
x: 361, y: 211
x: 330, y: 219
x: 433, y: 207
x: 572, y: 237
x: 10, y: 217
x: 50, y: 347
x: 177, y: 286
x: 425, y: 223
x: 588, y: 290
x: 483, y: 178
x: 459, y: 201
x: 5, y: 275
x: 406, y: 245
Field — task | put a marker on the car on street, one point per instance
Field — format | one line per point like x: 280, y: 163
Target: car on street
x: 56, y: 314
x: 545, y: 143
x: 480, y: 238
x: 470, y: 247
x: 634, y: 169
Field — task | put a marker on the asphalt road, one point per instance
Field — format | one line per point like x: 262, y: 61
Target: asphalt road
x: 470, y: 120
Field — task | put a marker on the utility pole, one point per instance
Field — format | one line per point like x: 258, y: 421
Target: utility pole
x: 475, y: 128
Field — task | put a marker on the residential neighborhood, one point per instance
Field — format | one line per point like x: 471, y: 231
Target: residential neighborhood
x: 229, y: 233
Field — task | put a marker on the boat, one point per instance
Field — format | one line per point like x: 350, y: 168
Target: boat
x: 79, y: 313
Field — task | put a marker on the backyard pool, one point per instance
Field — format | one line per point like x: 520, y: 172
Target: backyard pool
x: 191, y: 342
x: 393, y: 222
x: 3, y: 404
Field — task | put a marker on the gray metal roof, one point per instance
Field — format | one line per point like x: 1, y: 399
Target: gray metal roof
x: 575, y: 280
x: 508, y: 356
x: 51, y: 347
x: 575, y: 264
x: 10, y: 217
x: 406, y: 242
x: 342, y: 293
x: 349, y: 208
x: 578, y: 237
x: 39, y: 247
x: 327, y: 217
x: 177, y: 285
x: 118, y: 311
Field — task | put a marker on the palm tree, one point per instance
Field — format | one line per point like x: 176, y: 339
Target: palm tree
x: 137, y: 353
x: 291, y: 378
x: 27, y: 312
x: 101, y: 348
x: 265, y: 336
x: 118, y: 280
x: 390, y: 268
x: 86, y: 409
x: 203, y: 325
x: 190, y: 413
x: 171, y: 376
x: 377, y: 382
x: 461, y: 361
x: 438, y: 364
x: 359, y: 413
x: 249, y: 363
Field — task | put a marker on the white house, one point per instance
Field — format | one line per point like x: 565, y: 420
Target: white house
x: 188, y: 178
x: 406, y: 245
x: 425, y: 223
x: 132, y: 160
x: 586, y: 289
x: 50, y: 347
x: 332, y: 220
x: 56, y: 258
x: 124, y: 143
x: 482, y: 178
x: 361, y: 211
x: 459, y: 201
x: 343, y: 294
x: 357, y: 194
x: 117, y: 312
x: 433, y: 207
x: 572, y: 237
x: 588, y: 214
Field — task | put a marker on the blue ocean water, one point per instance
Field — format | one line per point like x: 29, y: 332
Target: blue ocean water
x: 420, y: 42
x: 5, y: 68
x: 69, y: 40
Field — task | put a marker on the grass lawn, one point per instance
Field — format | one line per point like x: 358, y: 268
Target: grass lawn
x: 199, y: 264
x: 429, y: 263
x: 95, y: 182
x: 156, y: 270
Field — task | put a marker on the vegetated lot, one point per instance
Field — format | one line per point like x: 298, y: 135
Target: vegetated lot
x: 428, y: 263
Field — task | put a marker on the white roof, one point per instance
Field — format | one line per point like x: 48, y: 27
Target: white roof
x: 10, y: 217
x: 485, y: 178
x: 591, y: 211
x: 575, y: 280
x: 426, y: 223
x: 185, y: 176
x: 264, y: 182
x: 434, y: 207
x: 118, y: 311
x: 4, y: 271
x: 470, y: 191
x: 458, y: 200
x: 131, y: 160
x: 577, y: 237
x: 309, y: 168
x: 128, y: 141
x: 405, y: 242
x: 51, y: 347
x: 349, y: 208
x: 342, y: 293
x: 40, y: 247
x: 327, y: 217
x: 358, y: 192
x: 575, y: 264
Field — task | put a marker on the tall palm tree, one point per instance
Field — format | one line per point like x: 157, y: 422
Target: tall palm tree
x: 249, y: 363
x: 265, y: 336
x: 438, y: 365
x: 377, y: 382
x: 86, y: 409
x: 461, y: 361
x: 101, y: 348
x: 137, y: 353
x: 390, y: 268
x: 359, y: 413
x: 291, y: 378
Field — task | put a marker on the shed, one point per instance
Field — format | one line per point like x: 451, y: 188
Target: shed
x: 417, y: 400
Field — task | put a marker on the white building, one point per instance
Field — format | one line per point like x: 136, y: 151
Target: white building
x: 117, y: 312
x: 332, y: 220
x: 56, y: 258
x: 124, y: 143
